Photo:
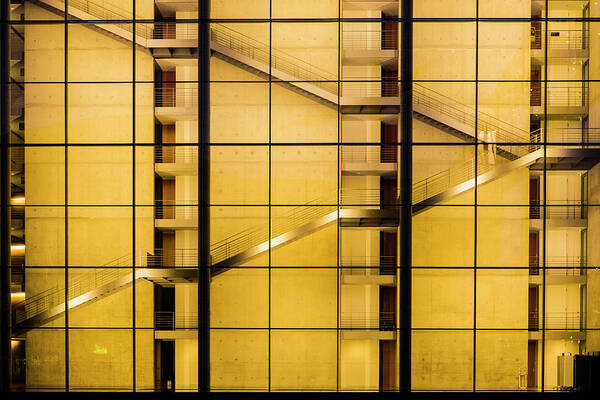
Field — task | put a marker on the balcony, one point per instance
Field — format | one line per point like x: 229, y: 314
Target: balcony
x: 368, y: 270
x: 170, y: 325
x: 172, y: 161
x: 567, y: 325
x: 369, y: 160
x: 562, y: 44
x: 368, y: 325
x: 370, y: 47
x: 172, y: 215
x: 559, y: 270
x: 178, y: 103
x: 564, y: 100
x: 558, y: 214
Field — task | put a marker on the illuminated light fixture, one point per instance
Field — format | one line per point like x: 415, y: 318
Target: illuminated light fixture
x: 18, y: 200
x: 16, y: 247
x: 17, y: 294
x: 13, y: 343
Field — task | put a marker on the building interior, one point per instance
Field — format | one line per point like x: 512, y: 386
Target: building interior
x: 231, y: 195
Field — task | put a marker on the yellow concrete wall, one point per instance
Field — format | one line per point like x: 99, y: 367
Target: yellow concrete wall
x: 98, y: 113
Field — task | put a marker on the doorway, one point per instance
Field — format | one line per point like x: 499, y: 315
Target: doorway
x: 536, y: 88
x: 164, y: 364
x: 532, y: 364
x: 534, y: 253
x: 534, y: 198
x: 534, y: 317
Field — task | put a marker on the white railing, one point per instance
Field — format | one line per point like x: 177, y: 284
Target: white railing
x: 370, y: 40
x: 92, y: 278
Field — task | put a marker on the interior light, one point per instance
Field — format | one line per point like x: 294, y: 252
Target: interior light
x: 17, y: 247
x: 18, y: 200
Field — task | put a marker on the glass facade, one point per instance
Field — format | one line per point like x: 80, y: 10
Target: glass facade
x: 316, y: 195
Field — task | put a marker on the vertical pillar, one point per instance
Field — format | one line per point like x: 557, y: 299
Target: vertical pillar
x: 405, y: 278
x: 5, y: 350
x: 203, y: 197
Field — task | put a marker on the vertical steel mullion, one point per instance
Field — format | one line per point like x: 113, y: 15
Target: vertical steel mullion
x: 544, y: 213
x: 5, y: 275
x: 270, y: 215
x: 405, y: 287
x: 203, y: 197
x: 66, y: 176
x: 133, y: 169
x: 475, y: 199
x: 339, y: 191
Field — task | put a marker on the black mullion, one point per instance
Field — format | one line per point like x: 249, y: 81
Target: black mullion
x: 545, y: 134
x: 133, y: 169
x: 66, y: 171
x: 406, y: 199
x: 270, y: 195
x: 475, y: 198
x: 339, y: 188
x: 204, y: 197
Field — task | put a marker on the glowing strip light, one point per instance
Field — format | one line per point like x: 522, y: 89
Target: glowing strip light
x: 18, y: 200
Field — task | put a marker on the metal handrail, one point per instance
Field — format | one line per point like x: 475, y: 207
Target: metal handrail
x: 562, y: 39
x: 369, y: 39
x: 561, y: 95
x: 380, y: 320
x: 375, y: 153
x: 565, y: 209
x: 367, y: 261
x: 171, y: 320
x: 568, y: 320
x: 175, y: 209
x: 505, y: 132
x: 47, y: 299
x: 175, y: 154
x: 172, y: 258
x: 185, y: 95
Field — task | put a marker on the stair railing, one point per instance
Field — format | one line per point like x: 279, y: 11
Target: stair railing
x: 465, y: 171
x: 248, y: 238
x: 44, y: 301
x: 505, y: 132
x: 279, y: 60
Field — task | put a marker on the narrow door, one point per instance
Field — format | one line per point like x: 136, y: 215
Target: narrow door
x: 168, y: 89
x: 585, y: 76
x: 536, y: 88
x: 534, y: 323
x: 388, y: 192
x: 388, y: 245
x: 534, y: 198
x: 387, y: 308
x: 536, y: 35
x: 168, y: 256
x: 167, y: 209
x: 389, y: 82
x: 389, y: 34
x: 584, y: 195
x: 532, y: 364
x: 534, y: 253
x: 167, y: 365
x: 387, y: 365
x: 389, y: 150
x: 585, y: 26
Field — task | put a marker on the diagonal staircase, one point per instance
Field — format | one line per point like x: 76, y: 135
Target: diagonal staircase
x: 518, y: 149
